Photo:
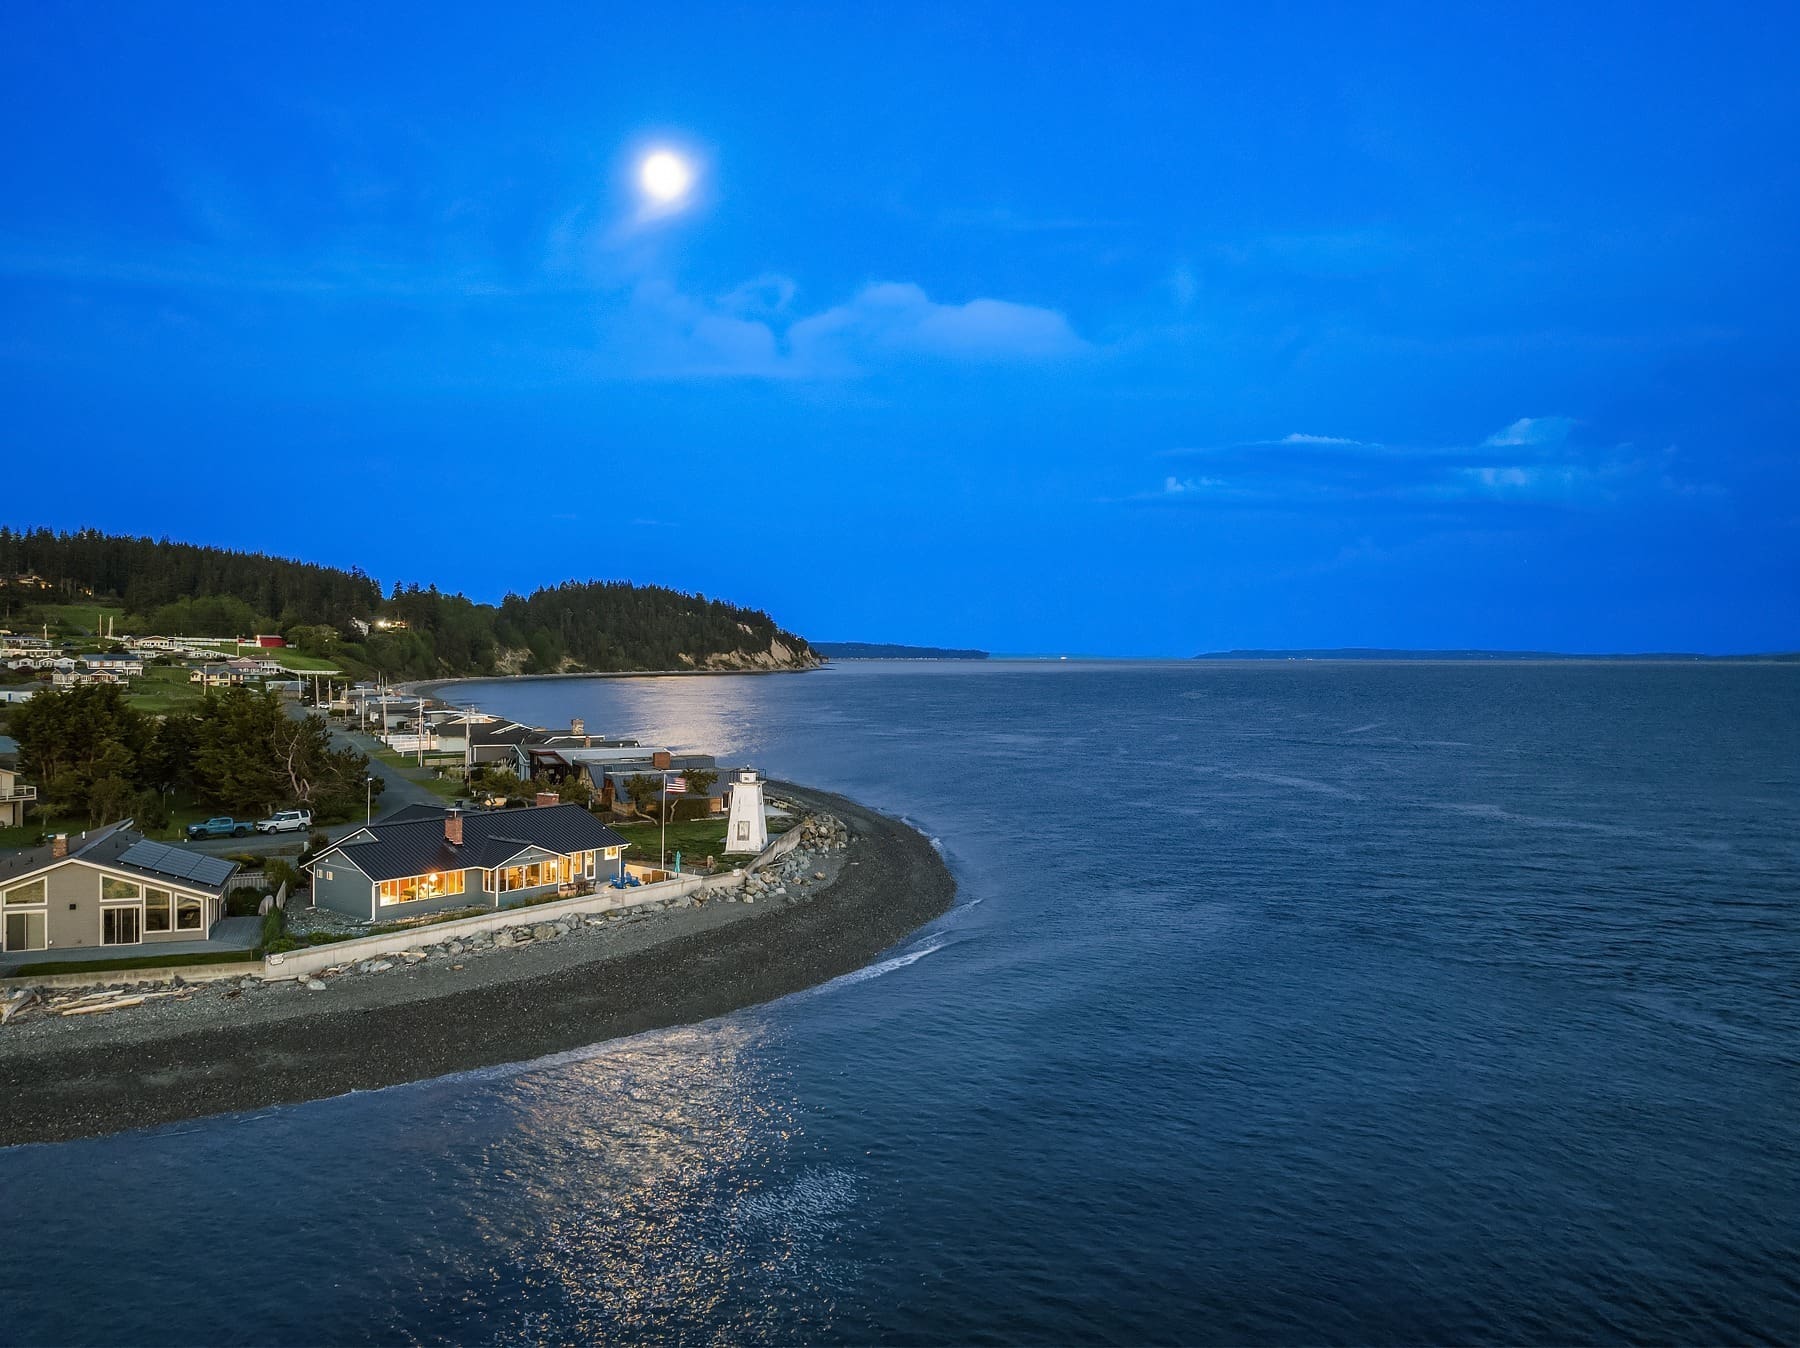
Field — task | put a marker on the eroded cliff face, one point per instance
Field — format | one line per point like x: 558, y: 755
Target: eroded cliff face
x: 779, y: 655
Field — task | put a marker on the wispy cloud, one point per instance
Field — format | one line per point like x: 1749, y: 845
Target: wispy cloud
x: 1299, y: 438
x: 756, y: 333
x: 1534, y: 461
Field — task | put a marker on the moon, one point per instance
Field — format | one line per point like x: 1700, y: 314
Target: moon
x: 665, y: 177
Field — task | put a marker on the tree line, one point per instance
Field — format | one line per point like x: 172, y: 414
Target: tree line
x: 184, y: 589
x: 94, y: 756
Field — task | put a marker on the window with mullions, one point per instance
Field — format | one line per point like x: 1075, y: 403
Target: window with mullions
x: 416, y: 887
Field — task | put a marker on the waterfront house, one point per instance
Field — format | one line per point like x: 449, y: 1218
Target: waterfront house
x: 421, y: 860
x: 493, y: 743
x: 15, y: 797
x: 109, y: 887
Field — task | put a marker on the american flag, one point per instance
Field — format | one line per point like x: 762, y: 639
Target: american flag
x: 677, y: 786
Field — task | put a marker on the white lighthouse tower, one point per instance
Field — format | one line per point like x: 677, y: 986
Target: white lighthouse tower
x: 747, y: 830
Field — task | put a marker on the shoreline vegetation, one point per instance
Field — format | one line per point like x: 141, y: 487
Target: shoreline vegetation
x: 93, y: 587
x: 286, y: 1044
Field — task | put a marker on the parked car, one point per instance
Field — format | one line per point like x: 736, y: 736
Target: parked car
x: 285, y: 821
x: 220, y: 826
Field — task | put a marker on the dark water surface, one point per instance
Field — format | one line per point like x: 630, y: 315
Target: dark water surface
x: 1288, y: 1003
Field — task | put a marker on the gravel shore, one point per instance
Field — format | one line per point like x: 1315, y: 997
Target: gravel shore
x: 280, y: 1043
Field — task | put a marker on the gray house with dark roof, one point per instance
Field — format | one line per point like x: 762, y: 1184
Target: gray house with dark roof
x: 109, y: 887
x: 424, y: 860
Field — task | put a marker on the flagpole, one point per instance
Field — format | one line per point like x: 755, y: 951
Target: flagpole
x: 663, y: 859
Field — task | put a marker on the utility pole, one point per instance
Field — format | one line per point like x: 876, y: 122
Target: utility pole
x: 421, y: 730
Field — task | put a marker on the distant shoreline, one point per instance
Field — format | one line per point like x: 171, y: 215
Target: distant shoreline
x: 1381, y: 655
x: 429, y: 687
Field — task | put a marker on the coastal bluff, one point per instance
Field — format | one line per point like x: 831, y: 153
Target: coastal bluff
x: 284, y: 1043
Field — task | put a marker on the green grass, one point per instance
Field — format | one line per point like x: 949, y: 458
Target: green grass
x: 163, y: 689
x: 78, y: 619
x: 131, y: 962
x: 695, y: 839
x: 290, y: 658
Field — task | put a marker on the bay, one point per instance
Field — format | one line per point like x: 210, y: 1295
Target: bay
x: 1281, y: 1003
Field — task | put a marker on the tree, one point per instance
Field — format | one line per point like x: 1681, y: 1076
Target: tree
x: 643, y: 792
x: 700, y: 780
x: 572, y: 790
x: 73, y: 739
x: 152, y: 812
x: 501, y: 783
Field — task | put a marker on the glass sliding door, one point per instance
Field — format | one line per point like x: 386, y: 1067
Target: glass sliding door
x: 25, y: 931
x: 121, y: 926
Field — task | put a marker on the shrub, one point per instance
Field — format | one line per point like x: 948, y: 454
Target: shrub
x: 243, y: 902
x: 278, y: 872
x: 274, y: 928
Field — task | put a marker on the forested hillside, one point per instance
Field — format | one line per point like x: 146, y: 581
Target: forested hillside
x: 182, y: 589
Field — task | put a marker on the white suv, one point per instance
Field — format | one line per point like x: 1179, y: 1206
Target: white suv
x: 285, y: 821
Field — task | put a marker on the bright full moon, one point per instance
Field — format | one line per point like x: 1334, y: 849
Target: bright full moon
x: 665, y: 177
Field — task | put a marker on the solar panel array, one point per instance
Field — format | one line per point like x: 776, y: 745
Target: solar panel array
x: 178, y: 864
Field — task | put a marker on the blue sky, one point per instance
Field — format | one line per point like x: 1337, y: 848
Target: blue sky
x: 1107, y: 329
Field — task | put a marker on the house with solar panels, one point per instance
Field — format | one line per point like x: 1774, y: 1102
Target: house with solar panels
x: 109, y: 887
x: 422, y: 860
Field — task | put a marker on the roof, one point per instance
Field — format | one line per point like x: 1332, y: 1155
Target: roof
x: 414, y: 844
x: 486, y: 737
x: 407, y: 813
x: 119, y: 848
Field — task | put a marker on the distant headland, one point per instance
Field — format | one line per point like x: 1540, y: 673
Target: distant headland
x: 1477, y: 656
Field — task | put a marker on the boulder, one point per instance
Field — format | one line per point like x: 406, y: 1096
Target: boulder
x: 314, y: 985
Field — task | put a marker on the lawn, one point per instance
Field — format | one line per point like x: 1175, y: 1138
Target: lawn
x: 80, y: 619
x: 695, y: 839
x: 163, y: 689
x: 289, y: 658
x: 131, y: 962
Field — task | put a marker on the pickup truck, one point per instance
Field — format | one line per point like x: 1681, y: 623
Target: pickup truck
x: 220, y: 826
x: 285, y: 821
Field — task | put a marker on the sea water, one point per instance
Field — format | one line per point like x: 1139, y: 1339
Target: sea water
x: 1280, y: 1003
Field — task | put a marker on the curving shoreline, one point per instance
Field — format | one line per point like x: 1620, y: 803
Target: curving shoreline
x: 281, y: 1048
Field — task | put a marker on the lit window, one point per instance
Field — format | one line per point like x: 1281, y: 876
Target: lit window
x: 434, y: 886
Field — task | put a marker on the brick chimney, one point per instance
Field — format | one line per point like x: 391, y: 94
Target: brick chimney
x: 660, y: 759
x: 548, y: 798
x: 453, y: 828
x: 577, y: 726
x: 59, y: 845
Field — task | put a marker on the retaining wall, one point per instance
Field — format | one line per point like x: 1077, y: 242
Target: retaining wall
x: 302, y: 963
